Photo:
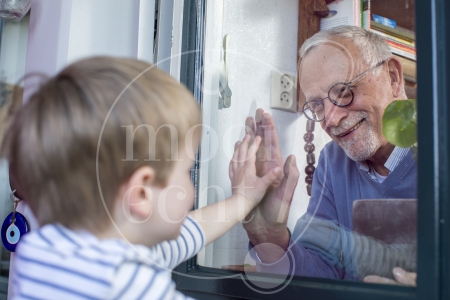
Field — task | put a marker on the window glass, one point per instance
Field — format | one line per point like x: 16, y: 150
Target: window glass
x: 14, y: 37
x: 361, y: 217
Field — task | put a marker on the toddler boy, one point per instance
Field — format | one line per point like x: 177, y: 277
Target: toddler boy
x: 103, y: 153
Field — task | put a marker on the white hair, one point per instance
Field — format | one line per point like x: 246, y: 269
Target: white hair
x: 374, y: 48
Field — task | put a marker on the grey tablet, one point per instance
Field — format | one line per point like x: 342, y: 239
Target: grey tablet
x: 393, y: 221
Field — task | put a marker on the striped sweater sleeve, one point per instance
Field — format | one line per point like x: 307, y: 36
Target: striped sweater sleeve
x: 188, y: 244
x: 135, y: 279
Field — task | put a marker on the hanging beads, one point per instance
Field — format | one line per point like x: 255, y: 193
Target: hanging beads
x: 310, y: 157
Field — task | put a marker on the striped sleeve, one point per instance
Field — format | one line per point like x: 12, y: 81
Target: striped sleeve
x: 132, y: 280
x: 188, y: 244
x: 135, y: 280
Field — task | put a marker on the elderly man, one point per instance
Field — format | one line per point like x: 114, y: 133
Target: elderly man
x: 348, y: 76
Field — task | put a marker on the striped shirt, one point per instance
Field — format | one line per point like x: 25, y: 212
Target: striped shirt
x: 392, y: 162
x: 57, y: 263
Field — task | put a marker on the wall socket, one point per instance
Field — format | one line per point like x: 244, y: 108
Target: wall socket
x: 283, y: 92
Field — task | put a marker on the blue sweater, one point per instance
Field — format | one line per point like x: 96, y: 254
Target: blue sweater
x: 322, y: 244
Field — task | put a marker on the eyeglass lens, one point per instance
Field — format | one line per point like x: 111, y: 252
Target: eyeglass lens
x: 340, y: 94
x: 314, y: 110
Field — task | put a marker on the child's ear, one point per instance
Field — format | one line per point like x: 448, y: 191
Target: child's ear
x: 396, y: 77
x: 137, y: 202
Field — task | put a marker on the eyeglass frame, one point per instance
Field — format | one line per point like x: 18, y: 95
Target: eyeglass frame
x: 343, y: 83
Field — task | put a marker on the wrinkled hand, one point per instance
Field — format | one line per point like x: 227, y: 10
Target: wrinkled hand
x: 269, y: 154
x: 242, y: 172
x: 267, y: 222
x: 401, y: 277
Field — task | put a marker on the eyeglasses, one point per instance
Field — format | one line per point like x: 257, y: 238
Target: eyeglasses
x: 340, y: 94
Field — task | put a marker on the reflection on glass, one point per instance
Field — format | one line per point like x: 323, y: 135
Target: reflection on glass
x: 14, y: 9
x: 361, y: 217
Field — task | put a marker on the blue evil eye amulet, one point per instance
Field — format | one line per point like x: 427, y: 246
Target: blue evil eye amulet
x: 14, y: 227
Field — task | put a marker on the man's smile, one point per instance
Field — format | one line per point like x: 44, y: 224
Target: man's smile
x: 347, y: 132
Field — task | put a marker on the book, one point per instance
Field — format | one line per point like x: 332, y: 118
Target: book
x: 401, y: 49
x: 395, y: 38
x: 384, y: 21
x: 404, y: 47
x: 400, y: 32
x: 403, y: 53
x: 342, y: 12
x: 365, y: 14
x: 401, y: 41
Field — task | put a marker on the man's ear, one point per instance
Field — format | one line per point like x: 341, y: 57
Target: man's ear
x: 396, y: 77
x: 137, y: 202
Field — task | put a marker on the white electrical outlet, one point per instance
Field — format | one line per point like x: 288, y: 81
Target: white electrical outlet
x: 283, y: 92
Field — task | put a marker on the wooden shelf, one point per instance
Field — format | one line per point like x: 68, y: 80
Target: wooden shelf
x: 400, y: 11
x: 403, y: 12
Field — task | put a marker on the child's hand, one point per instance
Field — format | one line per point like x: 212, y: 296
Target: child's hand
x: 248, y: 190
x: 243, y: 172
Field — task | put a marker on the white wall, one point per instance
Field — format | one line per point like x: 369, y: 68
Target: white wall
x: 263, y: 37
x: 64, y: 31
x: 103, y: 27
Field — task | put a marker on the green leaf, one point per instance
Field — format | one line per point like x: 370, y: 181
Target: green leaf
x: 399, y: 123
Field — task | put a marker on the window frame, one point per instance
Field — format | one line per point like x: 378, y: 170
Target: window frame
x: 433, y: 39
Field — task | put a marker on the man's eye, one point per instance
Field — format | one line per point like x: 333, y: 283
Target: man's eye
x: 316, y: 107
x: 345, y: 94
x: 342, y: 92
x: 314, y: 104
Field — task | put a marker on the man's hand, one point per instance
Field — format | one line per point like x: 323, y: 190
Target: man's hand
x: 266, y: 223
x: 269, y: 154
x: 401, y: 277
x: 248, y: 190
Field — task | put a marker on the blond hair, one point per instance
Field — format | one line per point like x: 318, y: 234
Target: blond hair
x: 69, y: 146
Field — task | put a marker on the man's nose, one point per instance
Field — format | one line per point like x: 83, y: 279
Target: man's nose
x: 334, y: 114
